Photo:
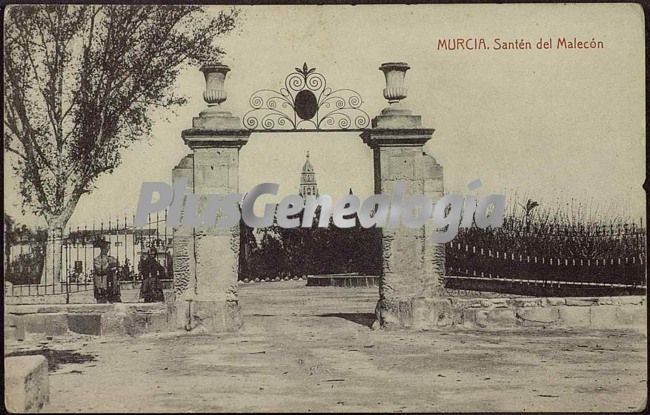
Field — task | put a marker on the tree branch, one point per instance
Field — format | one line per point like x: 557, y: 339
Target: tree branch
x: 18, y: 153
x: 46, y: 97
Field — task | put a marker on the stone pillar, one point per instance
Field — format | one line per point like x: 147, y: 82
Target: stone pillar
x: 183, y: 249
x: 206, y: 286
x: 413, y: 266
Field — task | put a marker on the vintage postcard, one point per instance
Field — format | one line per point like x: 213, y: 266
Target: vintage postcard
x: 324, y: 208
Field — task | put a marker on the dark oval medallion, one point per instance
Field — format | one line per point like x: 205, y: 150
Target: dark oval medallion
x: 306, y: 105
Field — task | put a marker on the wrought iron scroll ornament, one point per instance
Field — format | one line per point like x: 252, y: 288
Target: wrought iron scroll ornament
x: 306, y: 102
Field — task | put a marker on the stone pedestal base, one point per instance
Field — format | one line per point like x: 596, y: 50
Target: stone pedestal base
x: 417, y: 313
x: 207, y: 316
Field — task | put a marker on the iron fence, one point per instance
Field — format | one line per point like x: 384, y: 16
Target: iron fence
x: 60, y: 262
x: 604, y: 259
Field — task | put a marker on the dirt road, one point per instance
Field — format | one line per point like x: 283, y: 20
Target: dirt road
x: 311, y: 349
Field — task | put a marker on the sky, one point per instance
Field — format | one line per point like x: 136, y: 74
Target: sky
x: 551, y: 125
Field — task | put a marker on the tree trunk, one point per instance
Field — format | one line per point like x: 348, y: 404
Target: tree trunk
x: 52, y: 267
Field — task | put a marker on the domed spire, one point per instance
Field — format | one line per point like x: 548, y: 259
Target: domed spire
x: 307, y: 167
x: 308, y: 184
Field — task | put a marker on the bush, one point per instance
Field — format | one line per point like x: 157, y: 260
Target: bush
x: 25, y: 269
x: 545, y: 244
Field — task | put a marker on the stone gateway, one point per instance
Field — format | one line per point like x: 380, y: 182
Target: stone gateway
x: 206, y: 260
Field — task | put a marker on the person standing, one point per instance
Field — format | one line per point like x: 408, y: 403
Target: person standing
x: 105, y: 275
x: 126, y: 271
x: 151, y: 288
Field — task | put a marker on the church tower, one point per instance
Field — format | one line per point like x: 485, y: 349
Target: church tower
x: 308, y: 184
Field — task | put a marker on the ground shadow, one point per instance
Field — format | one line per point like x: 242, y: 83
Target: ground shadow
x: 56, y: 357
x: 365, y: 319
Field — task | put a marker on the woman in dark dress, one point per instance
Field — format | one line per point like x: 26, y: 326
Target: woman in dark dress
x: 151, y: 288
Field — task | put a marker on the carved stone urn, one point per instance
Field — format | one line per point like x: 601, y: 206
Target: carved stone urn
x: 215, y: 91
x: 395, y: 72
x: 396, y: 114
x: 215, y: 117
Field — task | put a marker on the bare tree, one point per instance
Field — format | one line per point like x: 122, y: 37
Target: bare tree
x: 80, y: 82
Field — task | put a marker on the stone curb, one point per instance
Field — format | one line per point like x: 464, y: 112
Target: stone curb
x: 91, y: 319
x: 603, y: 313
x: 277, y: 279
